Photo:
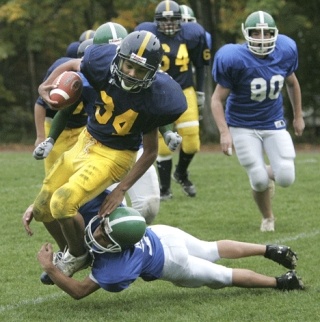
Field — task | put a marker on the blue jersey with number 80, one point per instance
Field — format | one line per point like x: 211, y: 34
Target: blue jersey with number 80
x: 255, y: 100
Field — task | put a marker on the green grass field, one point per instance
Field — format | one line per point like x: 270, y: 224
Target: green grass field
x: 223, y: 209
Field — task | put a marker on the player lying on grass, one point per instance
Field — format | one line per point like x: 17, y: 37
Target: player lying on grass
x: 123, y: 249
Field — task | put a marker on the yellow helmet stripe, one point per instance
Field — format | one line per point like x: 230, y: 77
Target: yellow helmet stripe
x: 144, y: 44
x: 167, y: 5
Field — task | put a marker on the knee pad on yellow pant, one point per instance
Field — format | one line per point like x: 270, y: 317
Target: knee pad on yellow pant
x: 41, y: 207
x: 163, y: 149
x: 190, y: 139
x: 64, y: 203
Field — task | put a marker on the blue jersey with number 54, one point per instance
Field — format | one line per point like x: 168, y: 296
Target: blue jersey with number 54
x: 255, y: 100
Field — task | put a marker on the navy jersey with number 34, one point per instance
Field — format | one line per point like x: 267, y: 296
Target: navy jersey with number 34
x: 122, y: 116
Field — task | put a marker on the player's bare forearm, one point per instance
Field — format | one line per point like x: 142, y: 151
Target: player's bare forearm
x: 74, y: 288
x: 294, y: 93
x: 27, y: 218
x: 149, y: 155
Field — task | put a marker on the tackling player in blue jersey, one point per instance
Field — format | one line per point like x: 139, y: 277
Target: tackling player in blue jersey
x: 136, y: 99
x: 250, y: 78
x: 184, y: 47
x: 123, y: 250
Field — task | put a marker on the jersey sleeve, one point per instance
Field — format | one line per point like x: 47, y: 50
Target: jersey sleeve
x: 289, y: 49
x: 197, y: 44
x: 222, y: 71
x: 167, y: 101
x: 96, y: 64
x: 148, y: 26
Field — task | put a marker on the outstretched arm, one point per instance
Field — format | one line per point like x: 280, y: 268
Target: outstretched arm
x: 27, y: 218
x: 149, y: 155
x: 76, y: 289
x: 39, y: 118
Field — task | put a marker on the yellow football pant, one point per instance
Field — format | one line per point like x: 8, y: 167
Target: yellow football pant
x: 65, y: 142
x: 187, y: 126
x: 78, y: 176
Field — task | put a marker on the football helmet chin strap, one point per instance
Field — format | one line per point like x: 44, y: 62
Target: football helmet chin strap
x: 91, y: 242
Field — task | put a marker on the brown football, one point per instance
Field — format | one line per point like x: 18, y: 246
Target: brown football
x: 68, y: 90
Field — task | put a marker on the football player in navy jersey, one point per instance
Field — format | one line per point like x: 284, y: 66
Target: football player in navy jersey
x: 44, y: 116
x: 187, y: 15
x: 184, y: 46
x: 123, y: 249
x: 249, y: 79
x: 144, y: 194
x: 136, y: 100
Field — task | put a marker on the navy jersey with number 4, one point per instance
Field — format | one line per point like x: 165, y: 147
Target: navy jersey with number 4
x: 255, y: 100
x: 123, y: 116
x: 186, y: 48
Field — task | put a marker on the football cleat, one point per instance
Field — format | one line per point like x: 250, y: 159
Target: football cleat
x: 267, y: 224
x: 165, y: 194
x: 45, y: 279
x: 289, y: 282
x: 282, y: 255
x: 68, y: 264
x: 187, y: 186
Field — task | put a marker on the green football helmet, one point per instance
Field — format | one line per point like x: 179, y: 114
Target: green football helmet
x: 125, y: 227
x: 260, y: 21
x: 187, y: 14
x: 109, y: 33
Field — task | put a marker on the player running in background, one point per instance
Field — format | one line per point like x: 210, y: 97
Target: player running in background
x: 187, y: 15
x: 249, y: 80
x: 184, y: 46
x: 132, y: 108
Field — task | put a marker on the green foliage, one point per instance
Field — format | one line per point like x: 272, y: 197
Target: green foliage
x: 16, y: 125
x: 222, y: 209
x: 35, y: 33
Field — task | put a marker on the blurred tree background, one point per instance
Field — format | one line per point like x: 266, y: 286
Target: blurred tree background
x: 35, y: 33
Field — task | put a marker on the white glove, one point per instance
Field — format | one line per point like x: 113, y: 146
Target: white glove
x: 200, y: 100
x: 43, y: 149
x: 172, y: 139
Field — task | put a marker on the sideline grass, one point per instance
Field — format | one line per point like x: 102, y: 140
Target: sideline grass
x: 223, y: 209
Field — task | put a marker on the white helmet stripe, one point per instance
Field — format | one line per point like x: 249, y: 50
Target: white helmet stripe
x: 113, y: 30
x: 261, y: 16
x: 184, y: 10
x: 126, y: 218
